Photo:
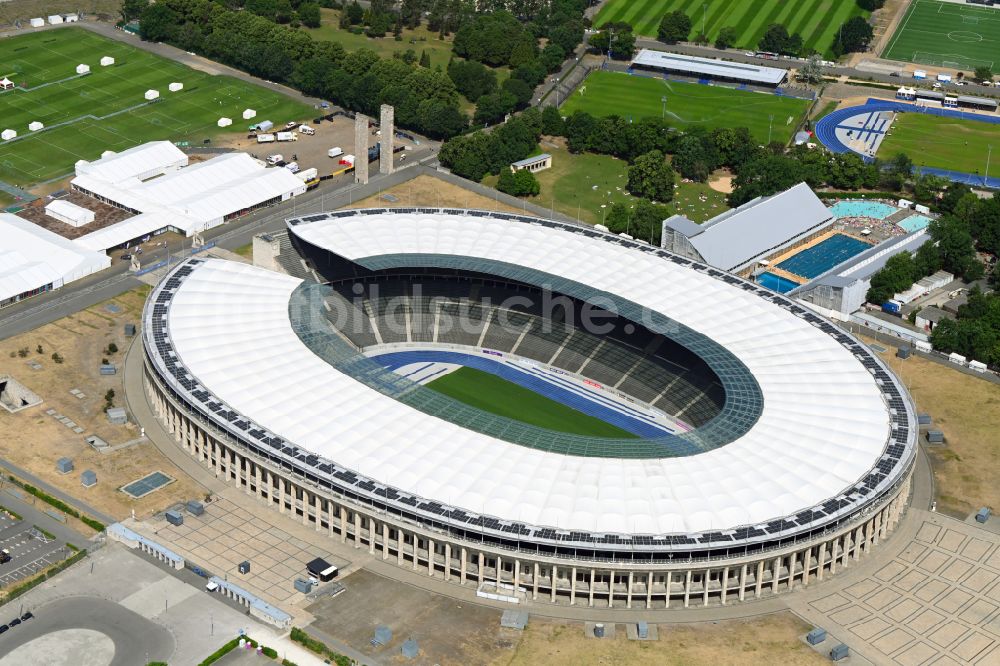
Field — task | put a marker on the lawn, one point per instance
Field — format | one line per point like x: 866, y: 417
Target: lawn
x: 420, y: 39
x: 947, y: 35
x: 688, y: 104
x: 499, y: 396
x: 947, y: 143
x: 106, y: 109
x: 816, y: 20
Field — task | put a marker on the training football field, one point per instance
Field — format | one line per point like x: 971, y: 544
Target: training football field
x: 816, y: 20
x: 956, y: 144
x: 688, y: 104
x: 947, y: 34
x: 498, y: 396
x: 106, y: 109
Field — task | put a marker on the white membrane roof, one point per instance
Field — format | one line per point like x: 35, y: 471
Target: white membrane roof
x: 824, y: 423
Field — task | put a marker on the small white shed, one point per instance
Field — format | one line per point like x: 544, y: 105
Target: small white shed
x: 152, y: 94
x: 71, y: 18
x: 8, y: 134
x: 175, y: 86
x: 37, y: 22
x: 55, y: 19
x: 248, y: 114
x: 34, y: 126
x: 224, y: 122
x: 83, y: 69
x: 107, y: 61
x: 70, y: 213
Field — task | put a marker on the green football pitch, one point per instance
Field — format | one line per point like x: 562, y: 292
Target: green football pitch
x: 816, y: 20
x: 946, y: 34
x: 688, y: 104
x: 499, y: 396
x: 946, y: 143
x: 106, y: 109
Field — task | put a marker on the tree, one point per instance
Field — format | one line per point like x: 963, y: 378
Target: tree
x: 425, y: 59
x: 812, y: 70
x: 674, y: 27
x: 440, y: 120
x: 651, y: 177
x: 472, y: 79
x: 871, y: 5
x: 492, y: 107
x: 308, y: 13
x: 695, y: 156
x: 777, y: 40
x: 469, y: 156
x: 727, y: 37
x: 518, y: 183
x: 763, y: 177
x: 132, y: 9
x: 854, y: 36
x: 552, y: 122
x: 642, y: 220
x: 520, y: 90
x: 552, y: 57
x: 157, y: 23
x: 984, y: 73
x: 353, y: 13
x: 898, y: 274
x: 577, y: 129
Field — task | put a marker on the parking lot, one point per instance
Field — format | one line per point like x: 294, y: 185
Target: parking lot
x: 30, y: 550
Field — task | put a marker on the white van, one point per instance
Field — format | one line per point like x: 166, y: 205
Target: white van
x: 274, y: 159
x: 265, y: 138
x: 293, y: 167
x: 335, y: 152
x: 305, y: 129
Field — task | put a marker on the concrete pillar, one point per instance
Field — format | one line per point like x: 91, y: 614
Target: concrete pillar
x: 534, y: 583
x: 343, y: 524
x: 833, y: 554
x: 517, y: 575
x: 792, y: 559
x: 464, y: 556
x: 743, y: 582
x: 399, y: 547
x: 201, y: 445
x: 687, y: 588
x: 591, y: 601
x: 499, y: 571
x: 775, y: 574
x: 572, y: 587
x: 416, y: 544
x: 357, y: 530
x: 430, y: 557
x: 628, y: 592
x: 482, y: 560
x: 217, y: 451
x: 385, y: 541
x: 611, y: 589
x: 759, y: 579
x: 305, y: 506
x: 259, y: 470
x: 806, y: 563
x: 666, y: 584
x: 447, y: 561
x: 318, y: 512
x: 552, y: 591
x: 649, y: 590
x: 725, y: 584
x: 704, y: 586
x: 329, y: 518
x: 371, y: 536
x: 821, y: 561
x: 877, y: 532
x: 388, y: 128
x: 856, y: 540
x: 361, y: 149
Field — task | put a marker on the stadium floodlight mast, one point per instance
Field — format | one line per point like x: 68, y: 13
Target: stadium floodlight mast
x: 663, y: 113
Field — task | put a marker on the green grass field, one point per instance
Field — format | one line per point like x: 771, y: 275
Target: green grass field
x: 816, y: 20
x: 688, y: 104
x: 499, y: 396
x: 947, y: 143
x: 105, y: 110
x: 421, y: 39
x: 947, y: 35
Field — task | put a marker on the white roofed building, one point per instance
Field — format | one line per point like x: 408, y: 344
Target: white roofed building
x: 739, y: 238
x: 708, y: 68
x: 185, y: 200
x: 35, y: 260
x: 69, y: 213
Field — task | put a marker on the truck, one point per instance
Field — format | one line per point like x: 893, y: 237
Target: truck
x: 307, y: 175
x: 335, y: 152
x: 265, y: 138
x: 4, y: 556
x: 287, y: 136
x: 293, y: 167
x: 262, y: 126
x: 274, y: 159
x: 306, y: 129
x: 892, y: 307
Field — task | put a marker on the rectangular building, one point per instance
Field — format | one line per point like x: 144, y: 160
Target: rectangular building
x: 708, y: 68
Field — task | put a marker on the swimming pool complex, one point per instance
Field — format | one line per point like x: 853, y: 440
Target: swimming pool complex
x: 823, y: 256
x: 913, y: 223
x: 872, y: 209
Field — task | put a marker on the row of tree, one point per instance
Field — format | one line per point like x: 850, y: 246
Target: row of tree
x: 976, y: 332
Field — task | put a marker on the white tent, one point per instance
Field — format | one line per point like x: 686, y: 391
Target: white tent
x: 107, y: 60
x: 70, y: 213
x: 8, y: 134
x: 248, y: 114
x: 37, y: 22
x: 83, y: 69
x: 152, y: 94
x: 174, y: 87
x: 225, y: 122
x: 71, y: 18
x: 55, y: 19
x: 6, y: 84
x: 34, y: 126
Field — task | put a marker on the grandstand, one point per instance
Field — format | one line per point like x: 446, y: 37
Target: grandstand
x: 708, y: 69
x: 798, y: 459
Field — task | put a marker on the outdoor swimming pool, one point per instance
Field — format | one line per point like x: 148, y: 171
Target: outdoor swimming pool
x: 776, y: 283
x: 823, y: 256
x: 914, y: 223
x: 873, y: 209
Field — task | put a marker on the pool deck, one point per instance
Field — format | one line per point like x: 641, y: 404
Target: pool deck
x: 788, y: 254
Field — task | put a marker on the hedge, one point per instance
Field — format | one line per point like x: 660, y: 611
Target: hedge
x: 270, y: 652
x: 48, y: 535
x: 57, y: 503
x: 318, y: 647
x: 16, y: 515
x: 27, y: 585
x: 285, y: 662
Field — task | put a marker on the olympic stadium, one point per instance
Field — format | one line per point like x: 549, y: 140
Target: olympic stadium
x: 758, y: 446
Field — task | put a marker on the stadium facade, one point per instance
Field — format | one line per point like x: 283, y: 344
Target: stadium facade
x: 797, y: 461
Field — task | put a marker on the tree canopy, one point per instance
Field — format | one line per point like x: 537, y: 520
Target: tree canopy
x: 651, y: 177
x: 777, y: 40
x: 674, y: 27
x: 854, y: 36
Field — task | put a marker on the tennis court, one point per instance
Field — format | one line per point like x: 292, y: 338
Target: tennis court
x: 947, y: 34
x: 147, y: 484
x: 823, y: 256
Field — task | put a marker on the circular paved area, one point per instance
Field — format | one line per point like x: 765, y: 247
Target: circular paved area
x: 113, y: 635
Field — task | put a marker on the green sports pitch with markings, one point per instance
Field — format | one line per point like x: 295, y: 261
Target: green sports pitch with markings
x: 106, y: 109
x: 947, y: 34
x: 816, y: 20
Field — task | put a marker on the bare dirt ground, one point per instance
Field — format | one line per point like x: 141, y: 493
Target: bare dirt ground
x: 773, y: 639
x: 33, y: 440
x: 967, y: 410
x: 721, y: 181
x: 429, y: 191
x: 25, y: 9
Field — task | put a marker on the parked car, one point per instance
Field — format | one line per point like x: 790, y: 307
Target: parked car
x: 16, y: 621
x: 28, y: 616
x: 126, y: 256
x: 3, y: 628
x: 290, y: 124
